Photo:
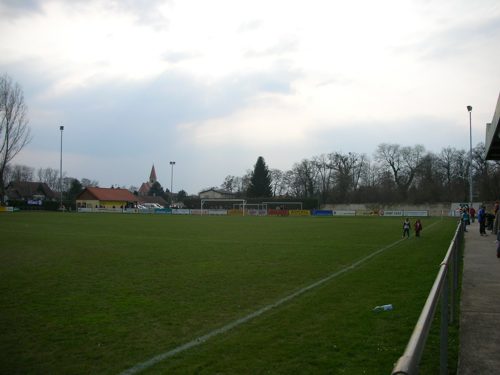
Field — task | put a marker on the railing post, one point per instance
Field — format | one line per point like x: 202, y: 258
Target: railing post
x: 452, y: 280
x: 443, y: 363
x: 458, y: 245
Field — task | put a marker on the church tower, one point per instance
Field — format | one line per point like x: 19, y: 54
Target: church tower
x: 152, y: 176
x: 146, y: 186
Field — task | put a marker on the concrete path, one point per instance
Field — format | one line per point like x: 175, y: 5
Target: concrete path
x: 480, y: 306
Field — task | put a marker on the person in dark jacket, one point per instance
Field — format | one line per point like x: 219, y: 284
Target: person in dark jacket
x: 418, y: 228
x: 481, y: 218
x: 472, y: 214
x: 465, y: 219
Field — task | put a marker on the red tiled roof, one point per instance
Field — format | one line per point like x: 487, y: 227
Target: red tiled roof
x: 107, y: 194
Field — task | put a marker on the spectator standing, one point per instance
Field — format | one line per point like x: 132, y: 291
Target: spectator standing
x: 418, y: 228
x: 472, y: 214
x: 465, y: 218
x: 481, y: 218
x: 406, y: 228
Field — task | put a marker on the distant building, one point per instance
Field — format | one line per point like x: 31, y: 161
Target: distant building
x: 213, y: 193
x: 146, y: 186
x: 29, y: 191
x: 94, y: 197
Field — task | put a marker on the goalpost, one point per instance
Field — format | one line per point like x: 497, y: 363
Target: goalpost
x: 221, y: 200
x: 259, y: 207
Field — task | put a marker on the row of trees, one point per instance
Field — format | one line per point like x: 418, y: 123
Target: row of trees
x: 50, y: 176
x: 395, y: 173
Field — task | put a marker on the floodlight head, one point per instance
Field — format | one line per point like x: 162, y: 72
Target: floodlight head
x: 469, y: 108
x: 61, y: 127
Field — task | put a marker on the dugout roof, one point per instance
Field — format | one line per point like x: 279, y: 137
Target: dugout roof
x: 493, y: 135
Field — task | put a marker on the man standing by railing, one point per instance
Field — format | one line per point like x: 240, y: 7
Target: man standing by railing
x: 481, y: 218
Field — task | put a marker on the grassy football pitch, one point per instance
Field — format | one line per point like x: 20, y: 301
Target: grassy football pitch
x: 101, y: 293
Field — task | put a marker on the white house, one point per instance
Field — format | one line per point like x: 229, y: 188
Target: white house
x: 213, y: 193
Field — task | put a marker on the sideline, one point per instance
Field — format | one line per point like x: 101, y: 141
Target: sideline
x: 202, y: 339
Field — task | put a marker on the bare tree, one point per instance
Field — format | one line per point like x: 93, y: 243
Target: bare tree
x: 50, y: 176
x: 303, y: 182
x: 403, y: 162
x: 244, y: 182
x: 428, y: 184
x: 14, y: 130
x: 324, y: 168
x: 347, y: 169
x: 229, y: 184
x: 290, y: 181
x: 89, y: 183
x: 360, y: 163
x: 21, y: 173
x: 277, y: 182
x: 446, y: 164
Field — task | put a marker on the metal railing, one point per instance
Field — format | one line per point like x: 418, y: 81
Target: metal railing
x: 447, y: 276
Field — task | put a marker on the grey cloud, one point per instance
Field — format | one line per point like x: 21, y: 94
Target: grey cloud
x: 281, y: 48
x: 455, y: 40
x: 278, y: 79
x: 146, y: 11
x: 14, y: 8
x: 133, y: 115
x: 179, y: 56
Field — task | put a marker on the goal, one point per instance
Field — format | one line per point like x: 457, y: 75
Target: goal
x: 222, y: 201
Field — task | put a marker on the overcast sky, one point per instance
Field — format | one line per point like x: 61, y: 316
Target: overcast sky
x: 212, y: 85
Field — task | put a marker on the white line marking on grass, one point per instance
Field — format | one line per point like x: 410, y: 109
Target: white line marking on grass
x: 200, y: 340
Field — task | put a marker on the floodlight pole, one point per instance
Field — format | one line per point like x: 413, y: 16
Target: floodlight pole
x: 469, y: 108
x: 172, y: 163
x: 61, y: 128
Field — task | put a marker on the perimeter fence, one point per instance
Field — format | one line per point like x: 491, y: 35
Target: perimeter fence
x: 257, y: 212
x: 445, y: 290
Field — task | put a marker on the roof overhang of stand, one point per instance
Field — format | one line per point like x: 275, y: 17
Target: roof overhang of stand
x: 493, y: 135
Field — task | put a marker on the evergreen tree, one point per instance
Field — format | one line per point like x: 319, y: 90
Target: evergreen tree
x: 181, y: 195
x: 156, y: 190
x: 260, y: 181
x: 75, y: 189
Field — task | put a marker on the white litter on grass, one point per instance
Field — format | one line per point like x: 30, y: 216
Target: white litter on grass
x: 200, y: 340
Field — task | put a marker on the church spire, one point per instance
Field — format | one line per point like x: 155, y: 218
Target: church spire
x: 152, y: 176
